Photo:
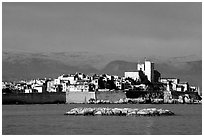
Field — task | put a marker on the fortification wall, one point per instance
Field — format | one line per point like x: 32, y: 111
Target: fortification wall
x: 34, y: 98
x: 112, y: 96
x: 79, y: 97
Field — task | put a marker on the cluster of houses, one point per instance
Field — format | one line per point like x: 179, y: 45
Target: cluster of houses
x: 170, y: 84
x: 77, y: 82
x: 31, y: 86
x: 80, y: 82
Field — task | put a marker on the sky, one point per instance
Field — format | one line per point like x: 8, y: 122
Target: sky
x: 141, y: 29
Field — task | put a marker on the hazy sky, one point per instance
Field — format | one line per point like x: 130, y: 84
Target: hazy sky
x: 163, y: 29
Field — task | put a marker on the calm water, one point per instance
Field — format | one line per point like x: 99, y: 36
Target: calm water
x: 49, y: 119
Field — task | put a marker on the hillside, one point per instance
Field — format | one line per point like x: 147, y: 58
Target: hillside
x: 29, y: 67
x: 16, y: 66
x: 185, y: 71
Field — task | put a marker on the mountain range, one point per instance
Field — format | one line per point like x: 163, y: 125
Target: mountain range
x: 24, y: 65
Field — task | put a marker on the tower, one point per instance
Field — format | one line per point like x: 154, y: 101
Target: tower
x: 141, y: 66
x: 149, y: 70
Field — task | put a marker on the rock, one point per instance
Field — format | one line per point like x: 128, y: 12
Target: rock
x: 124, y: 112
x: 88, y: 111
x: 70, y: 113
x: 143, y: 112
x: 98, y: 112
x: 132, y: 111
x: 109, y: 112
x: 119, y: 112
x: 116, y: 111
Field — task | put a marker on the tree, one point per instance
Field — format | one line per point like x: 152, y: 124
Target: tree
x: 91, y: 87
x: 111, y: 84
x: 6, y: 91
x: 101, y: 83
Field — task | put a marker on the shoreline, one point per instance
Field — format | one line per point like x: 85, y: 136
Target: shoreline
x: 200, y: 103
x: 111, y: 97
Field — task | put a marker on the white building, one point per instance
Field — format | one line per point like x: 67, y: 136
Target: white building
x: 166, y: 80
x: 64, y: 87
x: 28, y: 90
x: 149, y: 70
x: 51, y: 86
x: 141, y: 66
x: 3, y: 85
x: 81, y: 76
x: 108, y: 76
x: 133, y: 75
x: 115, y: 77
x: 185, y: 86
x: 172, y: 81
x: 78, y: 88
x: 193, y: 89
x: 179, y: 88
x: 66, y: 79
x: 118, y: 84
x: 39, y: 88
x: 57, y: 81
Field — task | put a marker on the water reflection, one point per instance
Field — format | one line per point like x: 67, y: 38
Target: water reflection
x: 149, y: 125
x: 49, y: 119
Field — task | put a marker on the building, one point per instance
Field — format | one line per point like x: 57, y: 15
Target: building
x: 64, y: 87
x: 28, y: 90
x: 193, y: 89
x: 199, y: 92
x: 141, y: 66
x: 51, y: 86
x: 78, y: 88
x: 171, y: 82
x: 70, y: 78
x: 185, y: 86
x: 80, y: 76
x: 39, y: 88
x: 118, y: 84
x: 95, y: 82
x: 57, y: 81
x: 179, y: 88
x: 133, y: 75
x: 149, y: 70
x: 3, y: 85
x: 166, y: 80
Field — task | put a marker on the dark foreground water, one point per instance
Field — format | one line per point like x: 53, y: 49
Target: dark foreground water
x: 49, y: 119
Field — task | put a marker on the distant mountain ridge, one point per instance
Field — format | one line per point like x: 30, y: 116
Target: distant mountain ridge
x: 185, y: 71
x: 16, y: 66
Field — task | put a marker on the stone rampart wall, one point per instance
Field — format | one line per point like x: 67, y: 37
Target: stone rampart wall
x: 79, y: 97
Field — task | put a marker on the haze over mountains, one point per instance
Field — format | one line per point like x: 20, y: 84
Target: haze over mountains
x: 24, y: 65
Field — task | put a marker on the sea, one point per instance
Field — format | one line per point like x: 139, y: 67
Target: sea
x: 49, y: 119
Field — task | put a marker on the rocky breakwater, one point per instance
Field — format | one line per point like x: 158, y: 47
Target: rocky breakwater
x: 119, y: 112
